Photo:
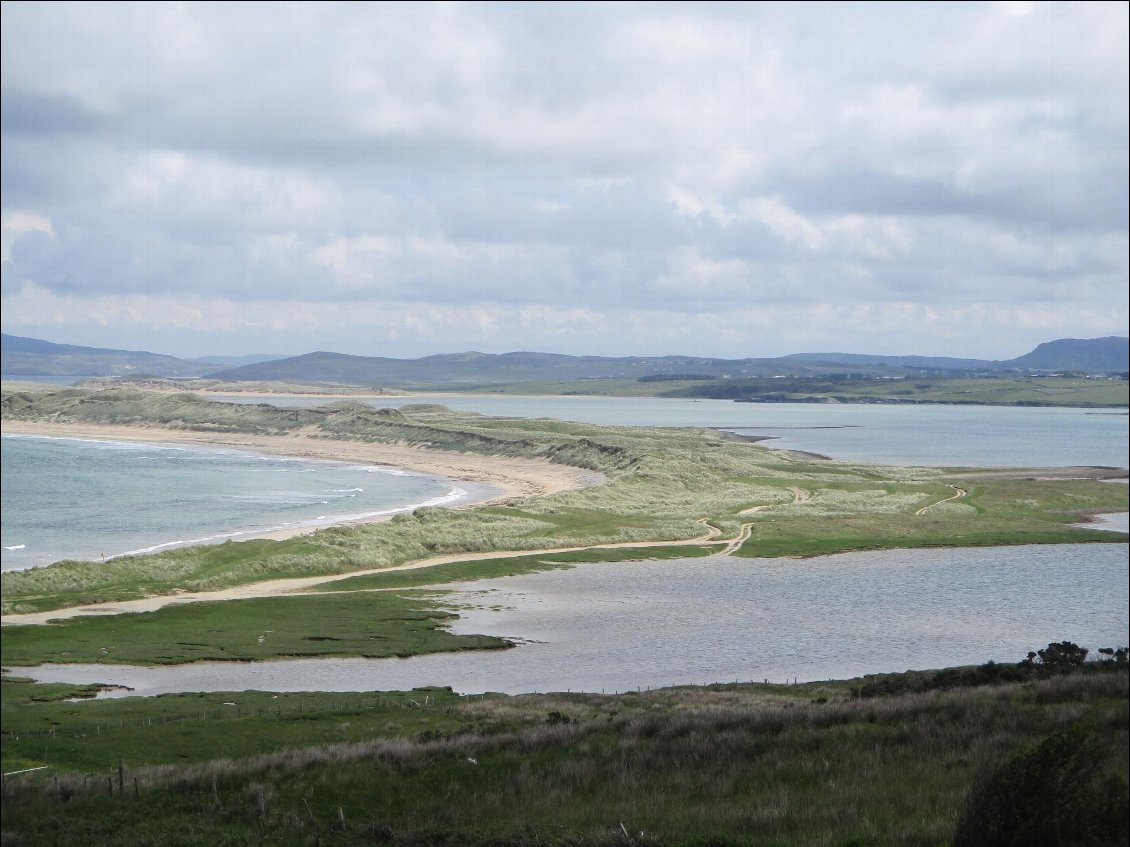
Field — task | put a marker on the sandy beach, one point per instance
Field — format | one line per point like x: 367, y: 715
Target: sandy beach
x: 510, y: 477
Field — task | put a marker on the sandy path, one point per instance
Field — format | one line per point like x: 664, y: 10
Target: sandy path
x: 800, y: 495
x: 276, y: 587
x: 741, y: 538
x: 960, y: 492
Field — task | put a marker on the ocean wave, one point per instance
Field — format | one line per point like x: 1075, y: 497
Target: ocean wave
x: 285, y: 499
x: 17, y: 547
x: 101, y: 443
x: 321, y: 522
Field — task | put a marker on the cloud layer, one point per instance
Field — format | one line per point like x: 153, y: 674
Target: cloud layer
x: 725, y: 180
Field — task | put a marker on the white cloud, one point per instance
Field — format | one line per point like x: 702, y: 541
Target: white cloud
x: 785, y: 222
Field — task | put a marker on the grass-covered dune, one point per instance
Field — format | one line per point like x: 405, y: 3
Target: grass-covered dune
x: 662, y: 485
x: 966, y: 757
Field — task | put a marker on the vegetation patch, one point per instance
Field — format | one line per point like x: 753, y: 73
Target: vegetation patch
x: 363, y: 624
x: 475, y: 569
x: 728, y: 765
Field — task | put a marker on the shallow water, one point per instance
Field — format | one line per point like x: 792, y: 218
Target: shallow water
x: 89, y: 499
x: 623, y: 626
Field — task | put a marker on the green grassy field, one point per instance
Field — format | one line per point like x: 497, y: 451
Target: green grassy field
x: 374, y: 625
x: 815, y: 764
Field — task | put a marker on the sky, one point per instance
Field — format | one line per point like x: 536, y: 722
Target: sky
x: 731, y: 180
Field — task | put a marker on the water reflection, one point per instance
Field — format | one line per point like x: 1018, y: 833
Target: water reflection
x: 623, y: 626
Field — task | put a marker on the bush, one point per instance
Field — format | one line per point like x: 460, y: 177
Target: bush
x: 1068, y: 792
x: 1063, y: 656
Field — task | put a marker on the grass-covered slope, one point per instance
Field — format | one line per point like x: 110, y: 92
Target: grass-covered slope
x: 815, y: 764
x: 662, y: 485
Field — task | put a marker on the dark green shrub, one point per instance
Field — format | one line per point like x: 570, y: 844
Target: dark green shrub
x: 1063, y: 656
x: 1068, y: 792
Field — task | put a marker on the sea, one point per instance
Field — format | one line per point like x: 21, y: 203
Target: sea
x: 70, y: 498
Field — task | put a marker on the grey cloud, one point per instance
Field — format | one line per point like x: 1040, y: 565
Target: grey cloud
x: 528, y: 154
x: 24, y: 112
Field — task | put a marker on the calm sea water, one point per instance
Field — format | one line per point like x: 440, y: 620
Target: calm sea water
x: 947, y: 436
x: 623, y: 626
x: 85, y: 499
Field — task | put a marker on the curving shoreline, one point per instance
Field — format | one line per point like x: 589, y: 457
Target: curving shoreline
x: 485, y: 479
x: 514, y: 477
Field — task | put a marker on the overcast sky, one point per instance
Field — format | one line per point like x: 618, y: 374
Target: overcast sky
x: 723, y: 180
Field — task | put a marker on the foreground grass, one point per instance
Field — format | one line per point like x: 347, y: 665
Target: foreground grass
x: 53, y: 724
x: 661, y: 485
x: 741, y: 765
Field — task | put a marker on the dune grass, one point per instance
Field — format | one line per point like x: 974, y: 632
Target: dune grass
x: 475, y: 569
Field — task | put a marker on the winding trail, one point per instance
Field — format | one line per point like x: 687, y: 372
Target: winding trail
x: 276, y: 587
x: 800, y: 495
x: 960, y: 492
x: 736, y: 542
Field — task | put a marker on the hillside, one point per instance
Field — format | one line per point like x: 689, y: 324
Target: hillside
x: 1092, y: 355
x: 29, y: 356
x: 470, y: 369
x: 1108, y: 355
x: 35, y: 357
x: 474, y: 368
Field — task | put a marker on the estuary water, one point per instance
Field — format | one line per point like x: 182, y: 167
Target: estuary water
x: 68, y: 498
x: 929, y: 435
x: 628, y: 625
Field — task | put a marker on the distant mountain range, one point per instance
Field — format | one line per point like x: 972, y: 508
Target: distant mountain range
x: 34, y: 357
